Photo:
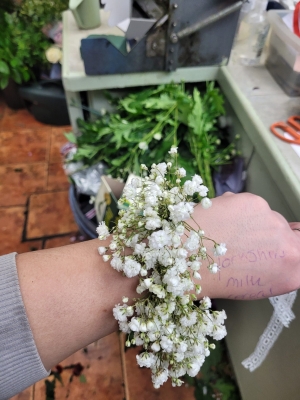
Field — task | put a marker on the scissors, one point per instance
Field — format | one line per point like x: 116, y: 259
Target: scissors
x: 292, y: 127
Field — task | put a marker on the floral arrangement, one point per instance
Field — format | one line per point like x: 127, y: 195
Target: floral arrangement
x: 146, y: 123
x: 153, y: 241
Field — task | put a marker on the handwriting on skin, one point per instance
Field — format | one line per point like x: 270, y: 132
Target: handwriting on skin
x: 250, y: 286
x: 261, y: 294
x: 249, y: 280
x: 251, y: 256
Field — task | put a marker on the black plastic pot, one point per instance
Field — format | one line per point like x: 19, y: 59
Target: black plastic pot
x: 46, y: 101
x: 79, y: 205
x: 12, y: 96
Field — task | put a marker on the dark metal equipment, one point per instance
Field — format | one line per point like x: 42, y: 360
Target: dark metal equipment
x: 187, y: 33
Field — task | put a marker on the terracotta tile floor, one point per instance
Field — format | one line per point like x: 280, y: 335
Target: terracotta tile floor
x: 34, y: 215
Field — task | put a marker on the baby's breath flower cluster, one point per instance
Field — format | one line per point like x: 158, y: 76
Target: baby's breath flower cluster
x: 167, y: 254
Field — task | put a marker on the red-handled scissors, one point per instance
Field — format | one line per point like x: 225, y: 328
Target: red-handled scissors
x: 292, y: 127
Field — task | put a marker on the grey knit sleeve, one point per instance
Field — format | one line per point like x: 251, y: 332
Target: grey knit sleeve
x: 20, y: 363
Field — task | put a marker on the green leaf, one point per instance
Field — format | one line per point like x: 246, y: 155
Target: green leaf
x: 226, y: 388
x: 164, y: 102
x: 50, y: 389
x: 3, y: 82
x: 58, y: 377
x: 198, y: 393
x: 16, y: 76
x: 195, y: 119
x: 71, y: 137
x: 82, y: 379
x: 4, y: 68
x: 119, y: 161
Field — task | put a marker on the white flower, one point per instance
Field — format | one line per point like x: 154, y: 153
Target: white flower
x: 113, y: 245
x: 181, y: 172
x: 139, y: 248
x: 185, y: 299
x: 119, y: 313
x: 153, y: 223
x: 101, y: 250
x: 219, y: 332
x: 220, y: 249
x: 132, y: 241
x: 180, y: 229
x: 197, y: 180
x: 192, y: 242
x: 206, y: 203
x: 173, y: 150
x: 138, y: 340
x: 203, y: 190
x: 195, y: 265
x: 136, y: 183
x: 162, y: 168
x: 143, y: 145
x: 181, y: 253
x: 166, y: 257
x: 181, y: 211
x: 134, y: 324
x: 176, y: 241
x: 155, y: 346
x: 205, y: 303
x: 189, y: 320
x: 166, y: 344
x: 146, y: 359
x: 214, y: 268
x: 124, y: 327
x: 151, y: 200
x: 129, y: 192
x: 220, y: 317
x: 158, y: 290
x: 131, y: 267
x: 160, y: 378
x: 196, y: 275
x: 159, y: 239
x: 117, y: 263
x: 102, y: 231
x: 106, y: 257
x: 194, y: 367
x: 159, y: 180
x: 189, y: 188
x: 157, y: 136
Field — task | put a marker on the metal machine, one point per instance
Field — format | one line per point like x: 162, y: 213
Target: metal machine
x: 187, y: 33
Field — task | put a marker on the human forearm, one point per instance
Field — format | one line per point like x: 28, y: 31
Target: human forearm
x: 69, y: 293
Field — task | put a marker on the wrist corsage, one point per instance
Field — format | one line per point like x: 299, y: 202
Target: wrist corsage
x: 166, y: 255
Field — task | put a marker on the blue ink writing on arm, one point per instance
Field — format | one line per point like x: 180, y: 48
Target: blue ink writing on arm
x: 251, y: 256
x: 227, y: 260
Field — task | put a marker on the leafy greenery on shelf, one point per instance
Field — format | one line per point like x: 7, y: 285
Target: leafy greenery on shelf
x: 216, y: 379
x: 148, y: 123
x: 22, y: 42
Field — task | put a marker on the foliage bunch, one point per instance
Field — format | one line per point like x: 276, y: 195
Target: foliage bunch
x: 22, y: 42
x: 148, y: 122
x: 166, y: 254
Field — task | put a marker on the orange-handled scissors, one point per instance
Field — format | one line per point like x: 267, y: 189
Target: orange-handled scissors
x: 292, y: 127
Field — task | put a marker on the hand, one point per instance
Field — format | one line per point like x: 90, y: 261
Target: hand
x: 263, y: 256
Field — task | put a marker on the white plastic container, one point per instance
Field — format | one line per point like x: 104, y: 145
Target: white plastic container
x: 283, y: 54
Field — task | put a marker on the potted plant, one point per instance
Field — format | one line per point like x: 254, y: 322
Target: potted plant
x: 23, y: 43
